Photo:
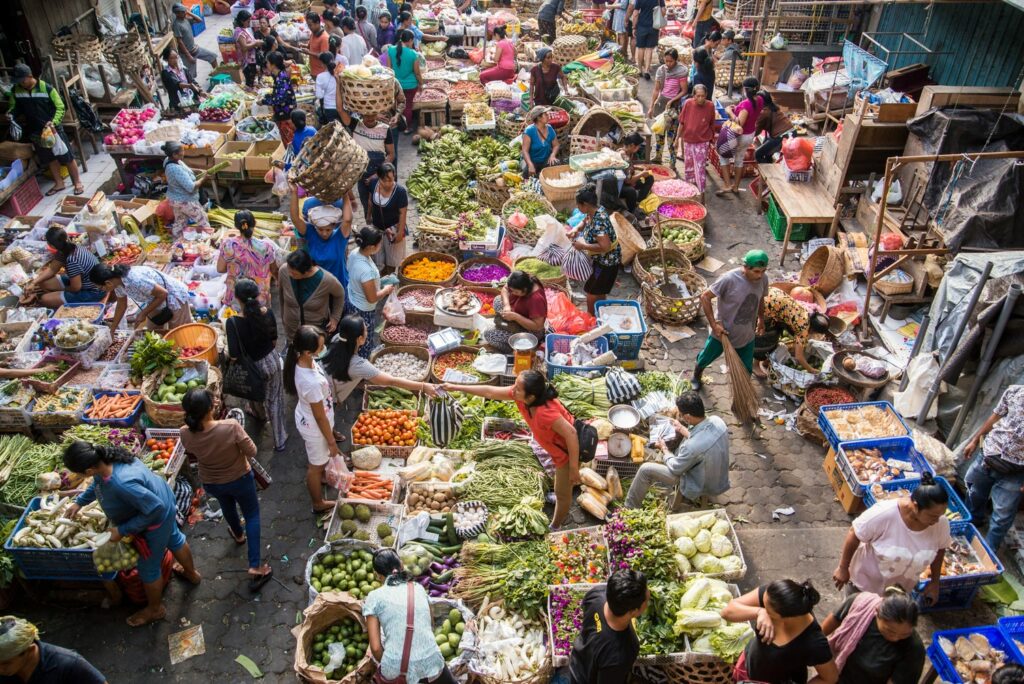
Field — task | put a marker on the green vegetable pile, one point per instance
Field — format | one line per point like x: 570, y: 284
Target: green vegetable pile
x: 541, y: 269
x: 392, y: 398
x: 440, y: 184
x: 151, y: 354
x: 654, y: 627
x: 660, y: 381
x: 6, y: 561
x: 583, y: 397
x: 346, y: 635
x: 524, y: 520
x: 505, y: 473
x: 20, y: 487
x: 699, y: 617
x: 449, y: 634
x: 518, y: 572
x: 340, y: 571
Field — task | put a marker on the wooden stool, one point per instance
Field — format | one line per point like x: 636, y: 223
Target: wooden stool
x: 433, y: 118
x: 678, y: 501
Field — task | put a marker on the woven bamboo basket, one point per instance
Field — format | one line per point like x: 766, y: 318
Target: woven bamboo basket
x: 694, y: 250
x: 477, y: 261
x: 413, y: 320
x: 788, y: 287
x: 567, y: 49
x: 508, y: 126
x: 597, y: 122
x: 369, y: 96
x: 526, y: 235
x: 823, y: 270
x: 434, y: 240
x: 77, y: 48
x: 645, y: 260
x: 700, y: 221
x: 432, y: 289
x: 172, y: 415
x: 561, y: 282
x: 418, y: 352
x: 434, y: 256
x: 557, y: 194
x: 692, y: 668
x: 329, y: 164
x: 675, y: 310
x: 126, y: 49
x: 492, y: 194
x: 892, y: 287
x: 581, y: 144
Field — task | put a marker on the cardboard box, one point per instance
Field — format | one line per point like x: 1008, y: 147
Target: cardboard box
x: 199, y: 163
x: 233, y: 71
x: 235, y: 165
x: 259, y: 165
x: 850, y: 501
x: 226, y: 129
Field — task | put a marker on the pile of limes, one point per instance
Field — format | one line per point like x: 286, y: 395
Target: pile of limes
x: 449, y: 634
x: 339, y: 571
x: 348, y: 633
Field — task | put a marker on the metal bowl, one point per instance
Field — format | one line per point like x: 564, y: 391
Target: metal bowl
x: 624, y: 417
x: 523, y: 342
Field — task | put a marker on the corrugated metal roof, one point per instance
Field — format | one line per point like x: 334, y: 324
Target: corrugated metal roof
x: 981, y: 44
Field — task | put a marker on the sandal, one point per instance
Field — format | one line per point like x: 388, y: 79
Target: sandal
x: 79, y: 189
x: 238, y: 540
x: 256, y: 582
x: 54, y: 191
x: 338, y: 437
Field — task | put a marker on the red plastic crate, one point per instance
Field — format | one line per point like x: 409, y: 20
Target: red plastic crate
x: 23, y: 200
x: 749, y: 163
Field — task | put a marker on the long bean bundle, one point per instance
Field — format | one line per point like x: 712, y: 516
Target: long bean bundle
x: 501, y: 482
x: 583, y: 397
x: 21, y: 485
x: 11, y: 449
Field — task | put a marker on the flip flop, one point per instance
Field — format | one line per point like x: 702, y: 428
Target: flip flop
x: 79, y: 189
x: 238, y: 540
x: 54, y: 191
x: 257, y: 582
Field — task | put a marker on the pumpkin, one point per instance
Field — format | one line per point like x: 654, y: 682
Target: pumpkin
x: 802, y: 294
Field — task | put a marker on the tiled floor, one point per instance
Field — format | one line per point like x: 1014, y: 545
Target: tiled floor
x: 101, y: 165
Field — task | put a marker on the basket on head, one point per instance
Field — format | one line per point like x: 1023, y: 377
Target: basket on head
x: 491, y: 192
x: 672, y: 309
x: 556, y: 193
x: 196, y: 335
x: 369, y: 96
x: 823, y: 270
x: 675, y: 261
x: 694, y: 248
x: 432, y: 256
x: 329, y: 164
x: 525, y: 235
x: 567, y: 49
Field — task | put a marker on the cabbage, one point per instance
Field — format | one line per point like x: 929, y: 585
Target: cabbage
x: 720, y: 594
x: 721, y: 527
x: 684, y: 527
x: 729, y: 640
x: 683, y: 564
x: 692, y: 621
x: 686, y: 546
x: 708, y: 520
x: 696, y: 593
x: 732, y: 564
x: 703, y: 541
x: 703, y: 644
x: 720, y: 546
x: 710, y: 565
x: 698, y: 558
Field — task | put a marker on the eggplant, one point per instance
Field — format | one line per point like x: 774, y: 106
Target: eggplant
x: 438, y: 567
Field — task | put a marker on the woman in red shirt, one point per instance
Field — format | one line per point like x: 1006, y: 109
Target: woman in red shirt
x: 521, y: 306
x: 696, y: 131
x: 551, y: 424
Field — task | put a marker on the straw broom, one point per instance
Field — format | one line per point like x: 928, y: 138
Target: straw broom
x: 744, y: 399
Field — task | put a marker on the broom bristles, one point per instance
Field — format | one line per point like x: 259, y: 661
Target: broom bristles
x: 744, y: 398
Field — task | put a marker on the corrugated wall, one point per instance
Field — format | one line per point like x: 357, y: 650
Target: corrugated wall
x: 985, y: 41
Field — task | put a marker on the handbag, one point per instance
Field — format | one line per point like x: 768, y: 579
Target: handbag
x: 658, y: 20
x: 378, y: 678
x: 164, y: 315
x: 242, y: 377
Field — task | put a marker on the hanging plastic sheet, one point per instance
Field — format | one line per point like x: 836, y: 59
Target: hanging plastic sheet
x: 862, y: 67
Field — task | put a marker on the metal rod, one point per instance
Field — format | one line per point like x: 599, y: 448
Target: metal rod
x: 922, y: 330
x: 986, y: 363
x: 961, y: 326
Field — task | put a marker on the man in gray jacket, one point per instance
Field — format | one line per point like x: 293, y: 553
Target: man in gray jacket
x: 700, y: 464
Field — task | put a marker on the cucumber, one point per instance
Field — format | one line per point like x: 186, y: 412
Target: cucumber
x: 453, y: 538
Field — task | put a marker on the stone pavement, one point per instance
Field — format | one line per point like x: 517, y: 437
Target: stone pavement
x: 780, y: 469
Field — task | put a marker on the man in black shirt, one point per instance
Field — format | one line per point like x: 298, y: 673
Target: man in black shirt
x: 26, y: 660
x: 607, y: 645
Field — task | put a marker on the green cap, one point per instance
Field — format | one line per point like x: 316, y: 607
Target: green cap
x: 755, y: 258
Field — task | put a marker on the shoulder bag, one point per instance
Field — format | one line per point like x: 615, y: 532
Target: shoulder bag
x: 378, y: 678
x: 658, y: 20
x: 242, y: 377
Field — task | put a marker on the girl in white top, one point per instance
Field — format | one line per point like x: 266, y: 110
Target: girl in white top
x: 314, y: 410
x: 326, y: 87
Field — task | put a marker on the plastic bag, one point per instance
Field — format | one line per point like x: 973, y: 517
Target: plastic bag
x: 48, y: 137
x: 660, y: 123
x: 553, y: 234
x: 337, y: 474
x: 114, y: 557
x: 895, y: 193
x: 563, y: 316
x: 921, y: 372
x: 798, y: 153
x: 15, y: 131
x: 577, y: 265
x: 393, y: 310
x: 280, y: 180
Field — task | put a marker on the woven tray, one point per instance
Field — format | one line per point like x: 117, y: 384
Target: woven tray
x: 390, y: 513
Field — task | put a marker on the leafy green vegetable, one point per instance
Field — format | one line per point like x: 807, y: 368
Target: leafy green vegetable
x: 583, y: 397
x: 151, y: 353
x: 518, y: 572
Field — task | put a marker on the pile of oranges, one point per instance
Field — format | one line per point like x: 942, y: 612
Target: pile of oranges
x: 387, y: 428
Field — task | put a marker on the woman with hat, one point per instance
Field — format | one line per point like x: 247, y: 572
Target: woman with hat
x: 546, y: 79
x: 183, y: 190
x: 597, y: 238
x: 540, y: 142
x: 325, y: 231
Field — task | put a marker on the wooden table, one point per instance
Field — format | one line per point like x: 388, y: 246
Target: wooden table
x: 800, y: 202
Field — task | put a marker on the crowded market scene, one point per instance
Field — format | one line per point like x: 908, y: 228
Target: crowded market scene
x: 512, y: 341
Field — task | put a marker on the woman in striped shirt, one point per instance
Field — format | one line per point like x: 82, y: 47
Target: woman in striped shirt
x: 74, y: 286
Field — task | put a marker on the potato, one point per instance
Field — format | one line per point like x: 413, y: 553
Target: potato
x: 440, y: 497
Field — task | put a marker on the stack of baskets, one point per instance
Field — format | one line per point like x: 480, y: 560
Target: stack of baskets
x: 329, y: 164
x: 436, y: 236
x: 369, y: 96
x: 526, y: 235
x: 569, y: 48
x: 592, y: 126
x: 127, y: 50
x: 492, y: 192
x: 823, y: 270
x: 77, y: 49
x: 694, y: 249
x: 673, y: 310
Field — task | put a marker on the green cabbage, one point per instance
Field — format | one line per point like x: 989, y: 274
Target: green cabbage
x: 683, y: 564
x: 729, y: 640
x: 720, y: 546
x: 684, y: 527
x: 686, y: 546
x: 691, y: 621
x: 721, y: 526
x: 732, y: 564
x: 708, y: 520
x: 709, y: 565
x: 703, y: 541
x: 703, y: 644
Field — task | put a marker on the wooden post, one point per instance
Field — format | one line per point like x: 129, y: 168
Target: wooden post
x: 890, y: 165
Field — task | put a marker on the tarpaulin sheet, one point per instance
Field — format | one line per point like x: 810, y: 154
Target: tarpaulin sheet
x: 977, y: 205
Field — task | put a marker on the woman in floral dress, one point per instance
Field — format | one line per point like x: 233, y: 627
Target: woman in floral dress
x: 247, y: 257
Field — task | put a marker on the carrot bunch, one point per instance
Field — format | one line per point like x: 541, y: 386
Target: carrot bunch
x: 113, y: 406
x: 370, y: 486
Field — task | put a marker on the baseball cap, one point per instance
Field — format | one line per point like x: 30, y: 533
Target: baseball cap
x: 178, y: 7
x: 21, y: 72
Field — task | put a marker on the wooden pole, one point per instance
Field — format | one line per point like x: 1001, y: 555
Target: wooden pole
x: 890, y: 164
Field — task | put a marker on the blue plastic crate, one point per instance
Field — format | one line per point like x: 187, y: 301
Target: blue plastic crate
x: 1013, y: 628
x: 829, y: 431
x: 950, y: 598
x: 901, y: 448
x: 996, y: 637
x: 555, y: 344
x: 955, y: 504
x: 625, y: 345
x: 113, y: 422
x: 978, y: 579
x: 52, y: 564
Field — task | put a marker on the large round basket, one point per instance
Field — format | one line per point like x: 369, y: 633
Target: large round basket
x: 567, y: 49
x: 329, y: 164
x: 491, y: 192
x: 126, y: 50
x: 486, y: 380
x: 703, y: 211
x: 693, y: 668
x: 823, y: 270
x: 527, y: 235
x: 430, y: 289
x: 561, y: 281
x: 509, y: 126
x: 694, y: 249
x: 674, y: 310
x: 434, y: 239
x: 418, y: 352
x: 788, y: 287
x: 478, y: 261
x: 412, y: 320
x: 596, y: 123
x: 173, y: 415
x: 433, y: 256
x: 77, y: 48
x: 554, y: 193
x: 896, y: 281
x: 369, y: 96
x: 196, y: 335
x: 644, y: 261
